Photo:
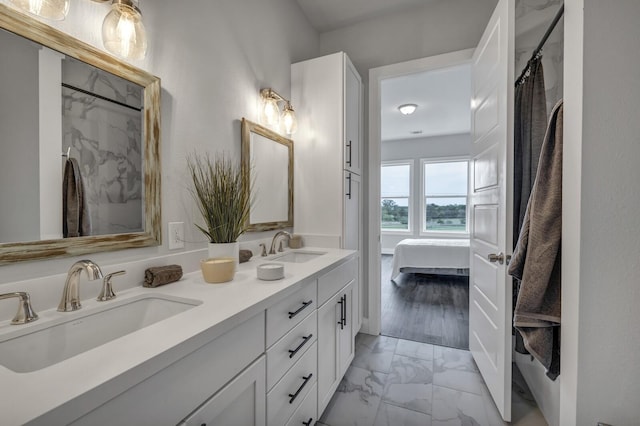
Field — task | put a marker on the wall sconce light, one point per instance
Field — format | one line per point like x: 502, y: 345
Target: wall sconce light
x: 49, y: 9
x: 123, y: 33
x: 270, y: 114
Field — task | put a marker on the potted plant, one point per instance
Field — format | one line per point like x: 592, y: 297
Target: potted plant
x: 224, y: 201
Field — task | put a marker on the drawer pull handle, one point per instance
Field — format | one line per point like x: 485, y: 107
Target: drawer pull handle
x: 293, y: 352
x: 341, y: 322
x: 295, y: 395
x: 304, y: 305
x: 308, y: 422
x: 349, y: 158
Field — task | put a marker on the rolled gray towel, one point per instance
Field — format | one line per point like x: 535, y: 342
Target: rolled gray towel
x: 161, y: 275
x: 245, y: 255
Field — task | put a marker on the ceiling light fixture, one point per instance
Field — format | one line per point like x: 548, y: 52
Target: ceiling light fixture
x: 123, y: 33
x: 49, y: 9
x: 270, y: 114
x: 408, y: 109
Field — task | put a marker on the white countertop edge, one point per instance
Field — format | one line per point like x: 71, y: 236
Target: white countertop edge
x: 67, y: 390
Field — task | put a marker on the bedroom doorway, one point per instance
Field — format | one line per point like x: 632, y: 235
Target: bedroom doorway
x: 427, y: 305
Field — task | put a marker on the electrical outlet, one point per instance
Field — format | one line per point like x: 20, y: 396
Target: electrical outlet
x: 176, y: 235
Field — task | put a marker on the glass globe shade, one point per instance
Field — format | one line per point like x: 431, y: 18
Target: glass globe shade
x: 289, y: 120
x: 270, y: 112
x: 50, y: 9
x: 123, y: 33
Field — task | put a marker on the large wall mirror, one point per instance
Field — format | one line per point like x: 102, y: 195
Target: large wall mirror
x: 79, y: 140
x: 269, y: 157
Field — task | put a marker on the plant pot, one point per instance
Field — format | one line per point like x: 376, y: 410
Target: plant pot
x: 225, y: 250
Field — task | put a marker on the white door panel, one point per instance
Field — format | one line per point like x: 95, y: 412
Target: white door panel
x: 486, y: 165
x: 487, y: 114
x: 485, y: 218
x: 485, y: 278
x: 490, y: 204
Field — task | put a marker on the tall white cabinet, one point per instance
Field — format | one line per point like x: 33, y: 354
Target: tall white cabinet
x: 327, y: 95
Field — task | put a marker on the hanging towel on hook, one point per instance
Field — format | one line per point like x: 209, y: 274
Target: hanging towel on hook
x: 530, y: 125
x: 536, y: 258
x: 75, y: 213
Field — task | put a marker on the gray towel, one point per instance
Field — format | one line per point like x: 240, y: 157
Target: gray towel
x: 75, y: 212
x: 530, y: 125
x: 536, y: 258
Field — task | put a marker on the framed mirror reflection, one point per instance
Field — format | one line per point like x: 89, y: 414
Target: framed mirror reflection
x: 269, y: 157
x: 79, y: 140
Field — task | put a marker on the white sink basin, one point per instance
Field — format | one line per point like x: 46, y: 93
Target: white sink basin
x: 51, y: 342
x: 299, y: 256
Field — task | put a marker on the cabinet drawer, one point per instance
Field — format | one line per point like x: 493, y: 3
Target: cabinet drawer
x: 306, y: 414
x: 334, y: 280
x: 289, y: 392
x: 289, y: 312
x: 288, y: 350
x: 241, y: 402
x: 170, y: 395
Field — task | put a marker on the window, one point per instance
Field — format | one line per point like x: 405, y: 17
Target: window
x: 395, y: 189
x: 445, y: 196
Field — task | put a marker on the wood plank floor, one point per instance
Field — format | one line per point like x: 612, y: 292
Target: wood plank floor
x: 425, y: 308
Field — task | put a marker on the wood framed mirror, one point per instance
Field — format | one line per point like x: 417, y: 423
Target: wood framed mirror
x: 110, y: 126
x: 269, y: 157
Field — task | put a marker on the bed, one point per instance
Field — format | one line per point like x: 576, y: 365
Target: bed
x: 431, y: 256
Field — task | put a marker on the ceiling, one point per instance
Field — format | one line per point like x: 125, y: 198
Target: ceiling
x: 443, y: 96
x: 327, y: 15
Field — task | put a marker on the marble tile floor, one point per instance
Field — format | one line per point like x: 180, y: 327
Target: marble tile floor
x: 396, y: 382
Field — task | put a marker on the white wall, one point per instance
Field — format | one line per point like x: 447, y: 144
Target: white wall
x: 415, y: 150
x: 19, y: 207
x: 212, y: 58
x: 601, y: 294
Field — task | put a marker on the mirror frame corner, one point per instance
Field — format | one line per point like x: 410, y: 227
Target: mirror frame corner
x: 249, y: 127
x: 25, y: 26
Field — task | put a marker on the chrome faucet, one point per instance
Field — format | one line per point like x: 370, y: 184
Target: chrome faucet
x: 71, y: 294
x: 25, y: 313
x: 275, y: 239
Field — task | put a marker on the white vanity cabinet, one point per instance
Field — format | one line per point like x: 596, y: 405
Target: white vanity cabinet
x: 292, y: 355
x: 200, y: 384
x: 337, y: 296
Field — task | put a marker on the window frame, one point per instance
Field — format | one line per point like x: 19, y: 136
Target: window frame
x: 423, y: 199
x: 410, y: 198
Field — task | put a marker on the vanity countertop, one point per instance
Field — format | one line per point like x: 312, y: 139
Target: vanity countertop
x: 91, y: 378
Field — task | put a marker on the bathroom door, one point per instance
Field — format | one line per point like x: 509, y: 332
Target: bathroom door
x: 490, y: 204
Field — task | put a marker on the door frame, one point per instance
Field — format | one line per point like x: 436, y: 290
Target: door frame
x: 372, y: 325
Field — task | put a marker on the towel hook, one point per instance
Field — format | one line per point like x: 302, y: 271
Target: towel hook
x: 68, y: 152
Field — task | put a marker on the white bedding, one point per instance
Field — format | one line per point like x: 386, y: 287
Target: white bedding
x: 431, y: 254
